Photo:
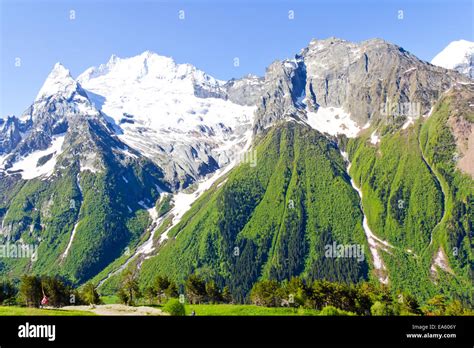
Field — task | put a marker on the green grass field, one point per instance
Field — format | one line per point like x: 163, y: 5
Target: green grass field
x: 13, y: 310
x: 250, y: 310
x: 203, y: 310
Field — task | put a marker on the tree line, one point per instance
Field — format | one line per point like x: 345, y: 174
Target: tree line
x: 54, y: 291
x: 331, y: 298
x: 195, y: 290
x: 336, y: 298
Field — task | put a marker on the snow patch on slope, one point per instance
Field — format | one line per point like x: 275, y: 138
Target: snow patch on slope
x: 374, y: 138
x: 89, y: 162
x: 147, y: 246
x: 2, y: 159
x: 333, y: 121
x: 71, y: 239
x: 28, y: 166
x: 410, y: 120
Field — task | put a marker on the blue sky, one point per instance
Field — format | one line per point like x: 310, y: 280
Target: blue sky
x: 41, y: 33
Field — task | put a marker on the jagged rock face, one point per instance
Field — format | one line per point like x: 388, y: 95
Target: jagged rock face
x: 360, y: 78
x: 59, y: 101
x: 206, y: 86
x: 50, y: 117
x: 278, y: 98
x: 10, y: 134
x: 245, y: 91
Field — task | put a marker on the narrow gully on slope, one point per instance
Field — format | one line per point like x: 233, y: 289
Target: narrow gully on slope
x: 182, y: 203
x: 141, y: 250
x: 74, y: 230
x: 372, y: 239
x: 438, y: 183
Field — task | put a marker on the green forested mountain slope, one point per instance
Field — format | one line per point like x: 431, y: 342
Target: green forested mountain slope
x: 454, y: 232
x: 418, y: 201
x: 100, y: 207
x: 272, y: 220
x: 414, y: 198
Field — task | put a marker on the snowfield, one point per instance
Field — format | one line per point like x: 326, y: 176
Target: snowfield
x: 333, y: 121
x: 29, y: 165
x: 154, y: 92
x: 154, y: 103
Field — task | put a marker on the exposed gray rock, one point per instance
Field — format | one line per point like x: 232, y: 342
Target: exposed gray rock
x: 282, y: 91
x: 49, y: 116
x: 209, y: 88
x: 245, y: 91
x: 10, y: 134
x: 359, y: 77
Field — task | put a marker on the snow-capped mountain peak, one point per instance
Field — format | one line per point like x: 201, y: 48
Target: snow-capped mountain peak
x: 169, y: 111
x: 133, y: 85
x: 149, y: 67
x: 59, y: 80
x: 187, y: 122
x: 458, y: 55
